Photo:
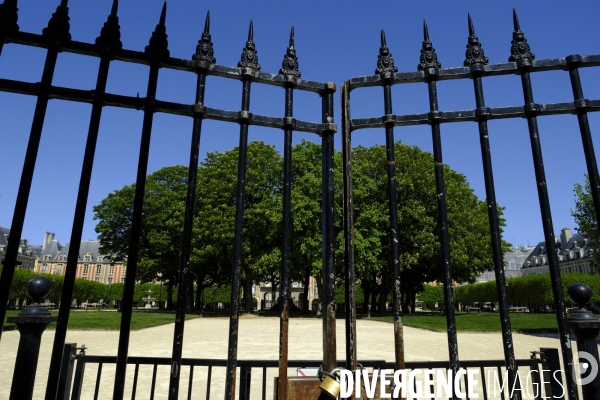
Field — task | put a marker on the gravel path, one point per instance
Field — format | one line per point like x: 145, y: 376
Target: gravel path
x: 258, y: 339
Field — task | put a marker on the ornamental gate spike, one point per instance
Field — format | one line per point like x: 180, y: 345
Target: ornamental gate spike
x: 428, y: 55
x: 249, y: 56
x: 290, y: 60
x: 157, y: 48
x: 204, y: 50
x: 110, y: 36
x: 519, y: 49
x: 474, y: 54
x: 9, y: 17
x: 385, y: 62
x: 58, y: 28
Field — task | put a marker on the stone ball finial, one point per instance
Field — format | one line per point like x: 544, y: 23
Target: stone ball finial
x: 580, y: 293
x: 38, y: 288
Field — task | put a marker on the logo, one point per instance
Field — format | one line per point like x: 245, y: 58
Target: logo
x: 587, y: 368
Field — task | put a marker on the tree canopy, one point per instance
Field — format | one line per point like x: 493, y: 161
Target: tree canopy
x: 214, y: 219
x: 585, y: 218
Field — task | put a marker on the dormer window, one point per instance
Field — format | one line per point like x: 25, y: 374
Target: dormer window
x: 87, y: 257
x: 46, y: 257
x: 100, y: 258
x: 61, y: 258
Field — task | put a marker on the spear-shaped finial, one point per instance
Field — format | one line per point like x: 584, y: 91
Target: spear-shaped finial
x: 163, y: 14
x: 58, y: 27
x: 207, y: 23
x: 519, y: 48
x: 290, y: 60
x: 471, y: 27
x: 428, y: 56
x: 474, y: 54
x: 9, y: 17
x: 204, y: 49
x: 249, y: 56
x: 115, y: 8
x: 110, y: 36
x: 158, y: 46
x: 385, y: 62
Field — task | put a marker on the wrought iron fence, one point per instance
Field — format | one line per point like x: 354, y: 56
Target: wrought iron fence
x: 521, y: 62
x: 108, y: 47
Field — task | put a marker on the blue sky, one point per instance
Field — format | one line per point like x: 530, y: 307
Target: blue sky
x: 334, y: 41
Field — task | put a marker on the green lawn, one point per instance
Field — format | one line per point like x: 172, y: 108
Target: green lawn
x: 483, y: 322
x: 110, y: 320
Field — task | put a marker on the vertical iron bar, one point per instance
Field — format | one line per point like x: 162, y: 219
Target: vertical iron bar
x: 134, y: 245
x: 350, y: 275
x: 586, y: 134
x: 237, y: 248
x: 190, y: 382
x: 98, y: 377
x: 393, y: 233
x: 264, y: 383
x: 496, y: 238
x: 483, y: 383
x: 286, y: 250
x: 443, y: 232
x: 79, y: 373
x: 328, y: 269
x: 16, y: 227
x: 559, y: 303
x: 135, y: 379
x: 208, y: 382
x: 66, y: 374
x: 155, y: 51
x: 188, y: 224
x: 153, y: 384
x: 107, y: 41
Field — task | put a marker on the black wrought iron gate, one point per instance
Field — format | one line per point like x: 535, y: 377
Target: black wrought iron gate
x: 107, y: 47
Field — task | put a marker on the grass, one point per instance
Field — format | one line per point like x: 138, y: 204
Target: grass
x: 483, y: 322
x: 110, y: 320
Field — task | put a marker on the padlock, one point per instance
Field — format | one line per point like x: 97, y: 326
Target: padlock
x: 330, y: 386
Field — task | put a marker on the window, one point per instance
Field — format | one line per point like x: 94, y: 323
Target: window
x: 109, y: 281
x: 59, y: 268
x: 61, y: 258
x: 100, y: 258
x: 111, y: 269
x: 87, y: 257
x: 98, y: 268
x: 85, y: 269
x: 46, y: 257
x: 122, y: 280
x: 97, y: 279
x: 44, y: 267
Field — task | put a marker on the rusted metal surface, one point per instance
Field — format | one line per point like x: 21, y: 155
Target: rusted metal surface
x: 385, y: 68
x: 302, y: 388
x: 349, y: 272
x: 328, y: 269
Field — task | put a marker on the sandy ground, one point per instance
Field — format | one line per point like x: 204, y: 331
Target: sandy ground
x: 258, y: 339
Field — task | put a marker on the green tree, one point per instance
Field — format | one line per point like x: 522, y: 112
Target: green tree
x: 585, y: 218
x: 419, y: 246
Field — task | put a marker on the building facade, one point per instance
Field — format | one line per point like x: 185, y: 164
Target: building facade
x: 26, y: 257
x: 574, y: 256
x: 513, y: 264
x: 92, y: 265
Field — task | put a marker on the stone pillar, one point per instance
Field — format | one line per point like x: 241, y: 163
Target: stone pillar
x: 585, y: 326
x: 31, y: 322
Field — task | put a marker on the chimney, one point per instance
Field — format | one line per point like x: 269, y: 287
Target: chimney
x: 565, y: 236
x: 48, y: 238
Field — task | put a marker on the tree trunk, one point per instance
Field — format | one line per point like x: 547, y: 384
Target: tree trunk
x: 383, y: 291
x: 199, y: 290
x: 366, y: 294
x: 249, y: 305
x: 169, y: 295
x: 306, y: 287
x: 321, y: 294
